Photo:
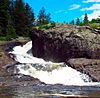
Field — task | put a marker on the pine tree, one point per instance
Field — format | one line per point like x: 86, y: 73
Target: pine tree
x: 15, y: 18
x: 29, y: 18
x: 72, y: 22
x: 10, y: 30
x: 77, y: 21
x: 19, y: 17
x: 11, y: 8
x: 4, y: 6
x: 43, y: 18
x: 48, y: 18
x: 86, y: 21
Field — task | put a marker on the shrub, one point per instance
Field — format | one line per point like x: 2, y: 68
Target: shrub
x: 94, y: 26
x: 46, y: 27
x: 53, y: 24
x: 2, y: 38
x: 11, y: 34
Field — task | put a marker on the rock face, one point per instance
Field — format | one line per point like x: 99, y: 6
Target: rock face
x: 9, y: 75
x: 87, y: 66
x: 78, y: 46
x: 66, y: 41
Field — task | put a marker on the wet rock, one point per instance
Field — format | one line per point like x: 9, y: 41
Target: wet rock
x: 87, y: 66
x: 9, y: 75
x: 64, y: 42
x: 67, y: 42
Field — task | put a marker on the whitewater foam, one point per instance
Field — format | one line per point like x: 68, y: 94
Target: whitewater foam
x: 47, y: 72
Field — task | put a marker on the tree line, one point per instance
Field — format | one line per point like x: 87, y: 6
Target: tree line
x: 85, y: 21
x: 17, y: 18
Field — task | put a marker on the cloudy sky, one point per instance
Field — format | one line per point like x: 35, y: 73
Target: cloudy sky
x: 67, y: 10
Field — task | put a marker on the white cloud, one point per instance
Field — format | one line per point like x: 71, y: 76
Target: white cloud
x: 93, y: 7
x: 59, y: 11
x: 74, y: 6
x: 88, y: 1
x: 93, y: 15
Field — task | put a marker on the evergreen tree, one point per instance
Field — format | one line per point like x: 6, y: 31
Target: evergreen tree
x: 77, y: 21
x: 98, y: 19
x: 43, y: 18
x: 11, y: 8
x: 15, y: 16
x: 10, y: 30
x: 93, y: 21
x: 48, y: 18
x: 4, y: 6
x: 86, y: 21
x: 19, y: 17
x: 29, y: 18
x: 72, y: 22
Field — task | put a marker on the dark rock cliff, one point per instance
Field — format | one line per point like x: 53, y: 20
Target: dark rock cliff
x: 64, y: 42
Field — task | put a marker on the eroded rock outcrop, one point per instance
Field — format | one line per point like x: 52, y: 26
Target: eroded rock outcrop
x: 64, y: 42
x: 86, y: 66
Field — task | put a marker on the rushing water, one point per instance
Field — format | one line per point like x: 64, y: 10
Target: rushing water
x: 47, y: 72
x: 61, y: 80
x: 49, y: 91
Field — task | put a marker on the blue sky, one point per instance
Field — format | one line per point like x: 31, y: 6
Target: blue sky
x: 67, y: 10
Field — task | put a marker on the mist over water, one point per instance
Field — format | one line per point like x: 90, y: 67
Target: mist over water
x: 47, y: 72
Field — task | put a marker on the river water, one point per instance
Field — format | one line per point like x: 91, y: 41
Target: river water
x: 60, y: 80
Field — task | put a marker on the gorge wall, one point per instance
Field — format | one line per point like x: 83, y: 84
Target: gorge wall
x: 66, y: 41
x: 77, y: 46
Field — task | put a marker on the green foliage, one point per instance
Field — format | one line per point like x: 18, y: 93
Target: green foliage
x: 72, y: 22
x: 10, y: 29
x: 19, y: 17
x: 82, y: 24
x: 85, y: 21
x: 94, y: 23
x: 47, y: 26
x: 43, y: 27
x: 77, y: 21
x: 2, y: 38
x: 11, y: 34
x: 4, y: 6
x: 43, y: 18
x: 94, y: 26
x: 40, y: 28
x: 95, y: 20
x: 53, y: 24
x: 15, y: 16
x: 29, y: 18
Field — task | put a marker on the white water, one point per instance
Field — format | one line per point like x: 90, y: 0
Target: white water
x: 47, y: 72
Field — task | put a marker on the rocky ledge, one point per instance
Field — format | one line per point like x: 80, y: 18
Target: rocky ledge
x: 8, y: 72
x: 65, y: 42
x: 86, y: 66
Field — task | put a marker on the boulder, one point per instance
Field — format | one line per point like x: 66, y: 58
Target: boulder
x: 86, y: 66
x: 64, y: 42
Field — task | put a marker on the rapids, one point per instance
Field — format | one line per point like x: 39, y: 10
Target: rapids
x: 47, y: 72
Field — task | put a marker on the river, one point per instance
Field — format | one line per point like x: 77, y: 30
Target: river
x: 59, y: 79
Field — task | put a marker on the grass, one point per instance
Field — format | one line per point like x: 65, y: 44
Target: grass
x: 3, y: 38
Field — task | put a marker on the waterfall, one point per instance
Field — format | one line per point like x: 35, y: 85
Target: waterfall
x: 47, y: 72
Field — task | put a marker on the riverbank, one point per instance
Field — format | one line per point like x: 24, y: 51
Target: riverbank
x: 63, y: 43
x: 9, y: 75
x: 13, y: 84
